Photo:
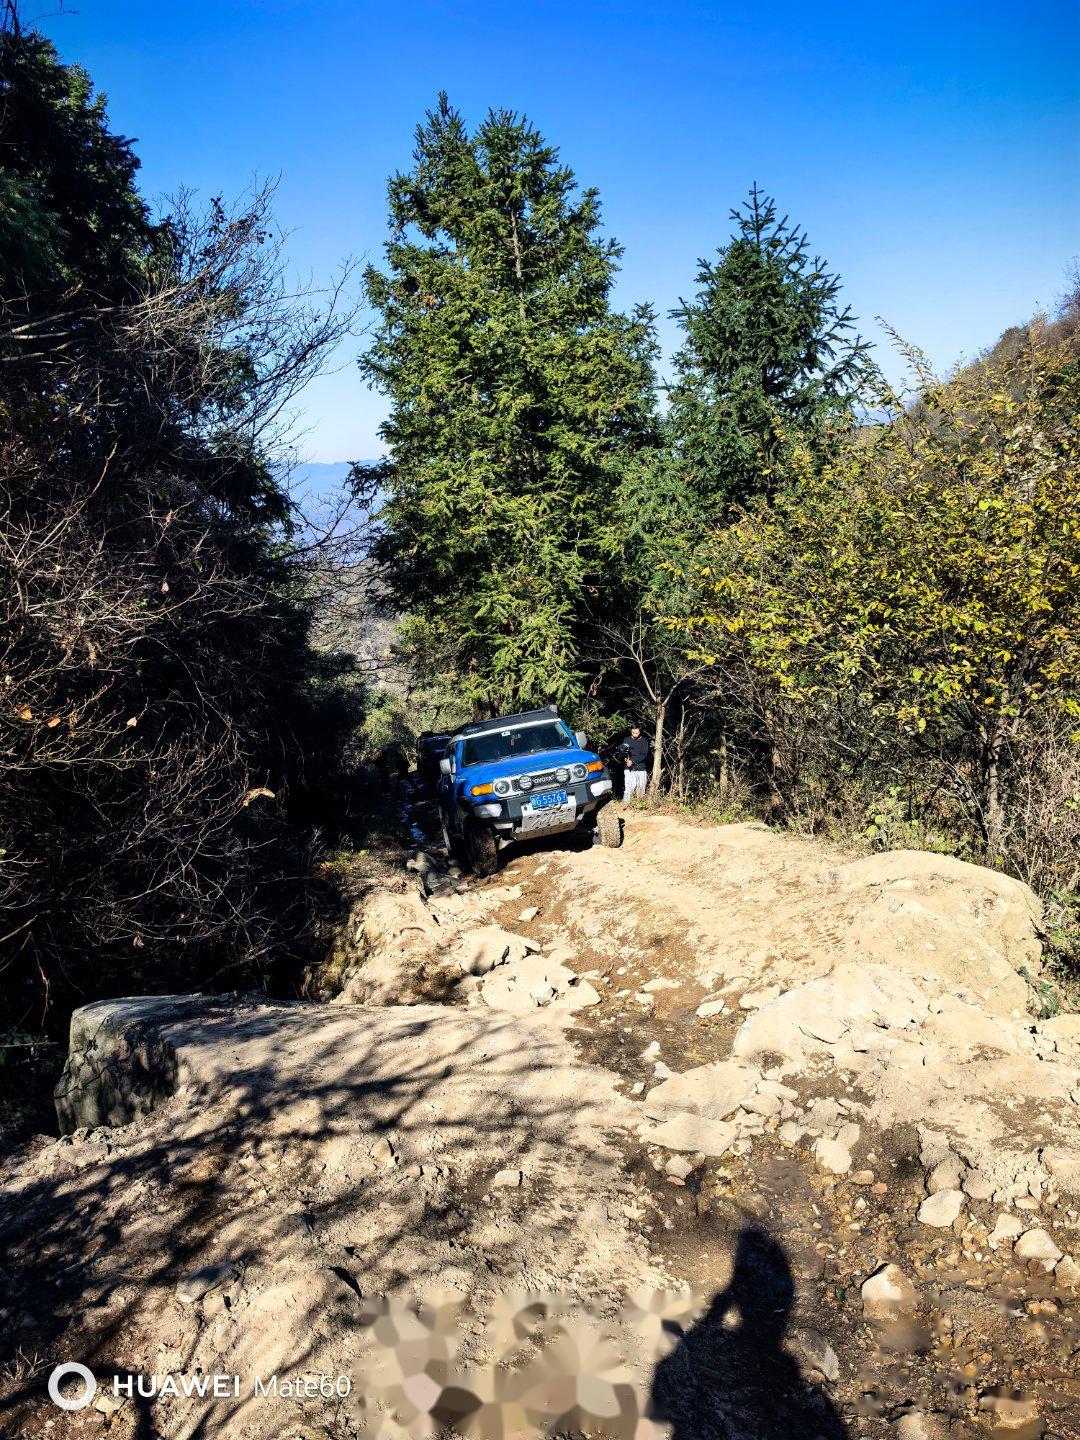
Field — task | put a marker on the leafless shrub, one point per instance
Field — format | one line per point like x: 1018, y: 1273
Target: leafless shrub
x: 158, y: 695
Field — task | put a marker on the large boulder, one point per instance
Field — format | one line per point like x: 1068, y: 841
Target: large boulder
x: 119, y: 1064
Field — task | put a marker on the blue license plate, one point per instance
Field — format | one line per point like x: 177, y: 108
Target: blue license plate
x: 547, y: 802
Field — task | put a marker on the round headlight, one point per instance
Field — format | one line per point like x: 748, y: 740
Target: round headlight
x: 502, y: 787
x: 562, y: 773
x: 524, y: 782
x: 578, y: 772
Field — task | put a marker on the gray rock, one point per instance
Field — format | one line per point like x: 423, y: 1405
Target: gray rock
x: 713, y: 1090
x: 946, y: 1174
x: 579, y: 996
x: 484, y: 949
x: 433, y: 874
x: 1064, y: 1165
x: 941, y: 1209
x: 507, y: 1178
x: 748, y: 1123
x: 694, y: 1132
x: 832, y: 1156
x: 763, y: 1103
x: 1037, y: 1245
x: 848, y: 1134
x: 814, y: 1352
x: 977, y: 1185
x: 107, y: 1403
x: 120, y: 1066
x: 822, y: 1114
x: 197, y: 1283
x: 708, y: 1008
x: 1005, y: 1231
x: 888, y: 1294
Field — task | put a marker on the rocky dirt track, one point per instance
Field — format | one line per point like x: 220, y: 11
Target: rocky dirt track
x: 812, y: 1089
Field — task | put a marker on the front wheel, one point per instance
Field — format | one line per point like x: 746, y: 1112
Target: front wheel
x: 483, y: 848
x: 455, y: 850
x: 608, y: 827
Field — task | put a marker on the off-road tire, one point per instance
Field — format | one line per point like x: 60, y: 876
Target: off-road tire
x: 483, y: 848
x: 455, y: 848
x: 608, y: 827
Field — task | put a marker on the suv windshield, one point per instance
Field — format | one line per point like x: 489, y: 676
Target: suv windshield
x: 528, y: 740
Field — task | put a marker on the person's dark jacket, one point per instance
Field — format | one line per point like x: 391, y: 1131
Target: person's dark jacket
x: 637, y: 751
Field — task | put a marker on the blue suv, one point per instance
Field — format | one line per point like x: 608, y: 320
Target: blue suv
x: 521, y: 775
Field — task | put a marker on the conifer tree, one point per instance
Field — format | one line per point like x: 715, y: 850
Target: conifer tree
x: 770, y: 360
x: 516, y: 394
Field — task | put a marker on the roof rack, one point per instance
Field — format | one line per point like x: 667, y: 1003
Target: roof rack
x: 504, y: 722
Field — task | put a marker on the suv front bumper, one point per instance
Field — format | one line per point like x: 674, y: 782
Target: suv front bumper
x: 513, y: 815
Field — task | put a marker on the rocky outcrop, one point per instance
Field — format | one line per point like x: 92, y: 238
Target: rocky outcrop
x: 756, y: 909
x: 999, y: 1093
x: 120, y: 1063
x: 840, y: 1049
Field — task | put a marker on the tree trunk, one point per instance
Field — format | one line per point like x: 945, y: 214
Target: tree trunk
x: 680, y: 755
x: 658, y: 748
x: 994, y: 815
x: 776, y: 780
x: 518, y: 271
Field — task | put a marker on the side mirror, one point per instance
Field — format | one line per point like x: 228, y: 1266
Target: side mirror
x: 581, y: 738
x: 444, y: 765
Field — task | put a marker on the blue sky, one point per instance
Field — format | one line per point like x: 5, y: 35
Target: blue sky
x: 931, y: 151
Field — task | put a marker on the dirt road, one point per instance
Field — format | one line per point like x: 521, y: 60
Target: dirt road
x: 716, y: 1058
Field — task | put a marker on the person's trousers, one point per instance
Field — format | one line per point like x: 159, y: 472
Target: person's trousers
x: 634, y: 788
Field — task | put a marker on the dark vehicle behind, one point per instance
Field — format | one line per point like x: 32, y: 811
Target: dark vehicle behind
x: 430, y: 748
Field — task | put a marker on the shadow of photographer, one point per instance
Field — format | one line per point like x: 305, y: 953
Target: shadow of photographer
x: 729, y: 1377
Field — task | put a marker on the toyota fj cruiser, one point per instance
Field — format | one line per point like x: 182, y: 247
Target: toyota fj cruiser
x: 521, y: 775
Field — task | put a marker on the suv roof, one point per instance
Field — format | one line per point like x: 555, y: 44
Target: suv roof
x: 502, y: 722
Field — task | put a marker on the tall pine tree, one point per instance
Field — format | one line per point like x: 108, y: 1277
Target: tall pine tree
x: 517, y: 393
x: 770, y: 359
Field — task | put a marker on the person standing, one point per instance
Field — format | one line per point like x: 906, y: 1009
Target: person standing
x: 636, y: 750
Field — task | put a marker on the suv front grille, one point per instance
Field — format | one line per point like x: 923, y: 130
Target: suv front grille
x: 546, y: 780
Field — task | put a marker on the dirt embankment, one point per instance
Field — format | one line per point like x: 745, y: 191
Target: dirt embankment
x: 716, y: 1057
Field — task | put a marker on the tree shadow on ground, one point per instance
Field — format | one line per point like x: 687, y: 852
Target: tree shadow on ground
x: 729, y: 1377
x: 262, y: 1159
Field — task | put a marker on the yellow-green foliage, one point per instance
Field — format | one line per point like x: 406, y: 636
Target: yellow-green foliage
x: 919, y: 595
